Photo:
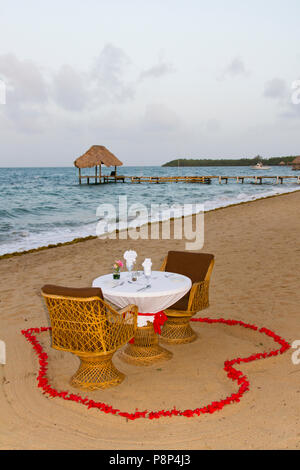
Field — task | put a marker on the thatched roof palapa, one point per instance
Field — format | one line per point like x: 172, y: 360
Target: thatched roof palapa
x: 296, y: 163
x: 96, y: 155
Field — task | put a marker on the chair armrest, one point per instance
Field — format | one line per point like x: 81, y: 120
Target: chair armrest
x: 164, y: 263
x: 129, y: 310
x: 122, y: 325
x: 198, y: 299
x: 133, y: 309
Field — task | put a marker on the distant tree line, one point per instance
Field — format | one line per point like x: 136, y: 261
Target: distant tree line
x: 229, y: 162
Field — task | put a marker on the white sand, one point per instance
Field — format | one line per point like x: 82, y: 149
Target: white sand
x: 255, y: 279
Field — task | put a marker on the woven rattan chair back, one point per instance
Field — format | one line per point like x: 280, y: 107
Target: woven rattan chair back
x: 193, y: 265
x: 198, y: 267
x: 84, y: 324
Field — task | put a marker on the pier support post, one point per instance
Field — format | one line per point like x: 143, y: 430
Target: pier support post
x: 220, y: 180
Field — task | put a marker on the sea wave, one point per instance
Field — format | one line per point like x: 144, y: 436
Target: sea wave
x: 60, y: 231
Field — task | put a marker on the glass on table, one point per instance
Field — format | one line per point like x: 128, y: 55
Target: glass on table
x: 129, y: 266
x: 148, y: 278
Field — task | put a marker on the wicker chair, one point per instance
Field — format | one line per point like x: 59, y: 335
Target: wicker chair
x: 198, y: 267
x: 85, y: 325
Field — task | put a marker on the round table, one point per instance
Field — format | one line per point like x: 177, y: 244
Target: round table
x: 166, y: 289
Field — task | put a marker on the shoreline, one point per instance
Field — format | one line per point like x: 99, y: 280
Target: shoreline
x: 93, y: 237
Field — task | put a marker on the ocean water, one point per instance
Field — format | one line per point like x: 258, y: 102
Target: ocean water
x: 40, y: 206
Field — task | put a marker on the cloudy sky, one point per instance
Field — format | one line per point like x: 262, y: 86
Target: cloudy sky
x: 150, y: 80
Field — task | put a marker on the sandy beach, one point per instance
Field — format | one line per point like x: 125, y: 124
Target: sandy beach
x: 255, y: 279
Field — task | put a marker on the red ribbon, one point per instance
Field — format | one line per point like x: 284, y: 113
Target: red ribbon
x: 159, y: 320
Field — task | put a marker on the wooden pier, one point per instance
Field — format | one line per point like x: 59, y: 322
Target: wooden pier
x: 98, y: 155
x: 254, y: 179
x: 170, y: 179
x: 258, y: 179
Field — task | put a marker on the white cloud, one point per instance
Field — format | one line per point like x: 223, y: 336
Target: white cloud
x: 159, y: 118
x: 213, y: 126
x: 157, y: 71
x: 110, y: 72
x: 278, y: 90
x: 36, y: 100
x: 236, y: 68
x: 70, y: 89
x: 275, y: 88
x: 24, y: 80
x: 26, y: 93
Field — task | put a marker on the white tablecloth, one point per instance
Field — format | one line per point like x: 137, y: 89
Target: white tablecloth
x: 166, y: 289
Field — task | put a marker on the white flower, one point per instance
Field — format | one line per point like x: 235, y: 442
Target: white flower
x: 130, y: 256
